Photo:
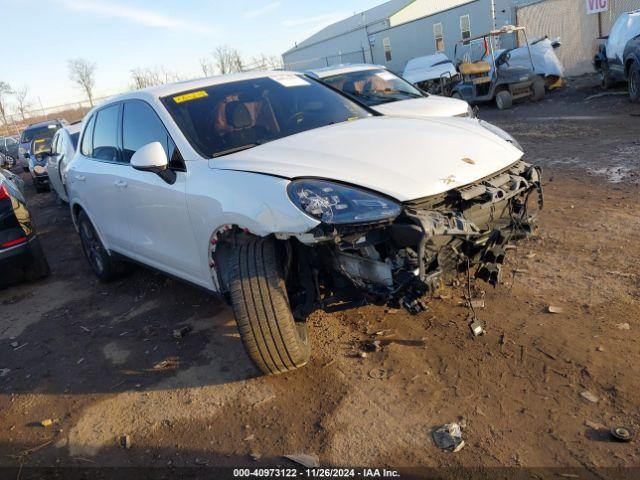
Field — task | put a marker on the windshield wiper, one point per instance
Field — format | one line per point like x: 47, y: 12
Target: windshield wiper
x: 231, y: 150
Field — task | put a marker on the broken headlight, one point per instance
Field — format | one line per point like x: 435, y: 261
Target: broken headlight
x: 334, y: 203
x: 502, y: 134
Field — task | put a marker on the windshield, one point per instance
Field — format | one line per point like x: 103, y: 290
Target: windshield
x: 46, y: 131
x: 229, y: 117
x: 486, y: 48
x: 373, y: 87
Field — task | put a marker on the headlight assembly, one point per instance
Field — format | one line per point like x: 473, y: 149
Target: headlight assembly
x: 502, y: 134
x: 334, y: 203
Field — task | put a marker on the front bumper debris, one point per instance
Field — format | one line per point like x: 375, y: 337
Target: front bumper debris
x: 435, y: 238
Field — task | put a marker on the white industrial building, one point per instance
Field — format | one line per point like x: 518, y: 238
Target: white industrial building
x: 399, y: 30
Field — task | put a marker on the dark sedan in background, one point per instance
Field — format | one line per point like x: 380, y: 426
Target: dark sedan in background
x: 21, y: 256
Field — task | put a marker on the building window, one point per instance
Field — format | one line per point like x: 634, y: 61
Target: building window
x: 465, y: 27
x: 439, y: 38
x: 386, y: 43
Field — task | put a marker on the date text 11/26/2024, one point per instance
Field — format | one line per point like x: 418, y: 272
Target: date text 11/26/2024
x: 315, y: 473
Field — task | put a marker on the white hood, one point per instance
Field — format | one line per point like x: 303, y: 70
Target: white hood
x: 431, y: 106
x: 405, y: 158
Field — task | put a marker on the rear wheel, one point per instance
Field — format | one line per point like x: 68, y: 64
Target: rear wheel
x: 274, y: 340
x: 504, y: 100
x: 634, y: 82
x: 538, y: 90
x: 103, y: 265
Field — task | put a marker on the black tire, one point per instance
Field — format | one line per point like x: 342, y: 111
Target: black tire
x: 633, y: 82
x: 274, y: 340
x: 39, y: 267
x: 104, y: 266
x: 538, y: 88
x: 504, y: 100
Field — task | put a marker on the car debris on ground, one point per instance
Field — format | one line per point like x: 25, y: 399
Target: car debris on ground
x: 622, y: 434
x: 448, y: 437
x: 590, y: 397
x: 47, y: 422
x: 305, y: 459
x: 126, y: 441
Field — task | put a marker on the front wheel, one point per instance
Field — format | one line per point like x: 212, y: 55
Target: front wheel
x: 504, y: 100
x: 634, y: 82
x: 274, y: 340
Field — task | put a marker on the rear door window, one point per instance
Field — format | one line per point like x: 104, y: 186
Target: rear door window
x: 105, y: 134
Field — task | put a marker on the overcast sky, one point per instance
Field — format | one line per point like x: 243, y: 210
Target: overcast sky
x: 40, y: 36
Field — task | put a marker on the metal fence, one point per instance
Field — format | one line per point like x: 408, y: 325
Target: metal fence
x: 349, y: 57
x: 72, y: 112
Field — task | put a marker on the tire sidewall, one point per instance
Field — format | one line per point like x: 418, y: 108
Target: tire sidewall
x: 102, y: 273
x: 634, y: 83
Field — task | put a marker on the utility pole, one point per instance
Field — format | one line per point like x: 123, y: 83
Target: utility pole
x: 41, y: 107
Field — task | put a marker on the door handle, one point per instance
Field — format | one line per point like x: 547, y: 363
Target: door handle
x: 121, y: 184
x: 81, y: 178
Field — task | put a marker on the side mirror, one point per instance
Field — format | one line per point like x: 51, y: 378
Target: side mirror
x: 152, y: 158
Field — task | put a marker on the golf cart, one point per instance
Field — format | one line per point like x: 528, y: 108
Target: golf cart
x: 483, y: 63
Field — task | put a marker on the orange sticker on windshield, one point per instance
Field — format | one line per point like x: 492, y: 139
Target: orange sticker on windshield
x: 190, y: 96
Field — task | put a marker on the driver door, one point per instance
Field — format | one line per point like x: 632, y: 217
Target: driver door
x: 160, y: 228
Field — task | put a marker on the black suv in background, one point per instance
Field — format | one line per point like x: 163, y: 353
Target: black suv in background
x: 40, y: 130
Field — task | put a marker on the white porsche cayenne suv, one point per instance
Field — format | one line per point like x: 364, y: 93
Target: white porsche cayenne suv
x: 284, y: 195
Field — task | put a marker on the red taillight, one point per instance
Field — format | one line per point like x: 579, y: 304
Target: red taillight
x: 4, y: 193
x: 12, y: 243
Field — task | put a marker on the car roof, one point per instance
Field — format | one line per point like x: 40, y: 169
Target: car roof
x: 160, y: 91
x: 325, y: 72
x: 42, y: 124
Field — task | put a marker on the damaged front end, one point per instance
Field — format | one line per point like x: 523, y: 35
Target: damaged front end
x: 397, y: 260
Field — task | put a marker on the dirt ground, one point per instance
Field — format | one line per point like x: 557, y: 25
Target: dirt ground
x: 101, y: 361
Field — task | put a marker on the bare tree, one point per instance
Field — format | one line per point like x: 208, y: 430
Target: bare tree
x: 207, y: 67
x: 274, y: 62
x: 82, y: 71
x: 265, y: 62
x: 237, y: 65
x: 22, y: 105
x: 149, y: 77
x: 5, y: 89
x: 227, y: 60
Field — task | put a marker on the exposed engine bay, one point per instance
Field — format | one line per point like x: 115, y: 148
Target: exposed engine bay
x: 398, y: 261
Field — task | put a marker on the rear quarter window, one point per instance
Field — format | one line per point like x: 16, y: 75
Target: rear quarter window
x: 87, y: 138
